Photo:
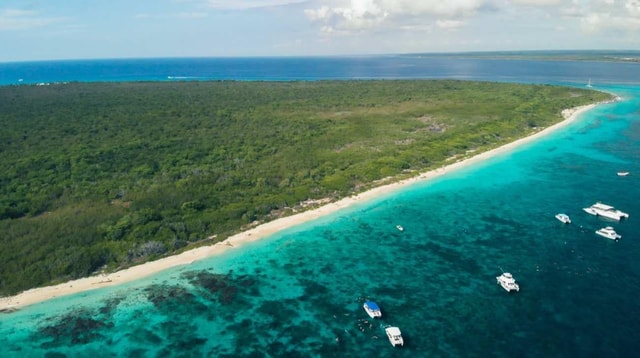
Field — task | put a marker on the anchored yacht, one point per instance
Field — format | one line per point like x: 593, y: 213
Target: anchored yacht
x: 563, y: 218
x: 395, y: 336
x: 609, y: 233
x: 507, y: 282
x: 607, y: 211
x: 372, y: 309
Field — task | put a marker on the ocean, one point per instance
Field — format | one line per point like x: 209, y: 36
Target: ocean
x: 320, y: 68
x: 299, y: 293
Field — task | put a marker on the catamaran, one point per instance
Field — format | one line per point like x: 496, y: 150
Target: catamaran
x: 507, y: 282
x: 607, y: 211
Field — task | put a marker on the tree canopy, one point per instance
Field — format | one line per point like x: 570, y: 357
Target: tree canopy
x: 100, y: 176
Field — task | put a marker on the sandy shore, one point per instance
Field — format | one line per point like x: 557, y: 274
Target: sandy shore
x: 45, y: 293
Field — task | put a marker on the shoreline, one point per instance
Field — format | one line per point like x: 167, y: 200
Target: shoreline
x: 41, y: 294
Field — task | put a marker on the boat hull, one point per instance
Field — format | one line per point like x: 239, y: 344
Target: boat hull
x: 608, y: 233
x: 563, y: 218
x: 395, y: 336
x: 372, y: 309
x: 606, y: 211
x: 507, y: 282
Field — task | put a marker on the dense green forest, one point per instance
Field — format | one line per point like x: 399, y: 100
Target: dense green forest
x: 100, y: 176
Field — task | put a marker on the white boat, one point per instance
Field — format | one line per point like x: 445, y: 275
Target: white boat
x: 623, y: 174
x: 399, y: 227
x: 507, y: 282
x: 606, y: 211
x: 395, y: 336
x: 372, y: 309
x: 563, y: 218
x: 589, y: 84
x: 609, y: 233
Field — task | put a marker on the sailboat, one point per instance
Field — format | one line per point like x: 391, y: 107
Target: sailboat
x: 589, y: 84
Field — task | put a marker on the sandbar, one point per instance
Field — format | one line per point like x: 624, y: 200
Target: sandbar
x: 41, y: 294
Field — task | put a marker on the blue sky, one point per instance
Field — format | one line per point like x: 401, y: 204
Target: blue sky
x: 75, y: 29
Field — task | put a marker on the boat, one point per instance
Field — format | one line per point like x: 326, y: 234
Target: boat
x: 563, y: 218
x: 372, y: 309
x: 623, y: 174
x: 399, y: 227
x: 589, y: 84
x: 609, y: 233
x: 507, y: 282
x: 606, y: 211
x: 395, y: 336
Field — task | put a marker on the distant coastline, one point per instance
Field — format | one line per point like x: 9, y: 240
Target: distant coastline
x: 624, y: 56
x: 36, y: 295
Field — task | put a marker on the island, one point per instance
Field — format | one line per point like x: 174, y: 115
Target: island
x: 107, y: 182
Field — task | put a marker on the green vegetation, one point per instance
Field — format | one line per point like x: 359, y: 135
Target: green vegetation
x: 102, y: 176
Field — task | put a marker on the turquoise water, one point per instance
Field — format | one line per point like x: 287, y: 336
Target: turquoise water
x: 300, y: 292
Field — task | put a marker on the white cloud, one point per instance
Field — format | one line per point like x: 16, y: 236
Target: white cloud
x: 594, y: 21
x: 603, y: 16
x: 350, y: 15
x: 432, y: 7
x: 633, y: 6
x: 361, y: 14
x: 14, y: 19
x: 180, y: 15
x: 602, y: 22
x: 449, y: 24
x: 421, y: 16
x: 539, y: 2
x: 191, y: 15
x: 248, y: 4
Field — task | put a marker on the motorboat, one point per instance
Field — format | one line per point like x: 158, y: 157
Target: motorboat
x: 564, y: 218
x: 623, y: 174
x: 372, y: 309
x: 399, y: 227
x: 507, y: 282
x: 607, y: 211
x: 609, y: 233
x: 395, y: 336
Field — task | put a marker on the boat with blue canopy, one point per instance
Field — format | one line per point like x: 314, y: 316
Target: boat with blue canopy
x: 372, y: 309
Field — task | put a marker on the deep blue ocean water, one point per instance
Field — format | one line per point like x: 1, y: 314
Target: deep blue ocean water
x: 318, y: 68
x: 300, y: 292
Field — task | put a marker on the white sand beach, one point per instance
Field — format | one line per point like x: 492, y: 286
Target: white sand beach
x: 45, y: 293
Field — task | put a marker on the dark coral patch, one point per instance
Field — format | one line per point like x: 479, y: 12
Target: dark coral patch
x: 166, y: 295
x: 226, y: 288
x: 78, y: 327
x: 110, y: 305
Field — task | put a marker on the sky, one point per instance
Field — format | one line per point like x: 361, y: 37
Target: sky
x: 81, y: 29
